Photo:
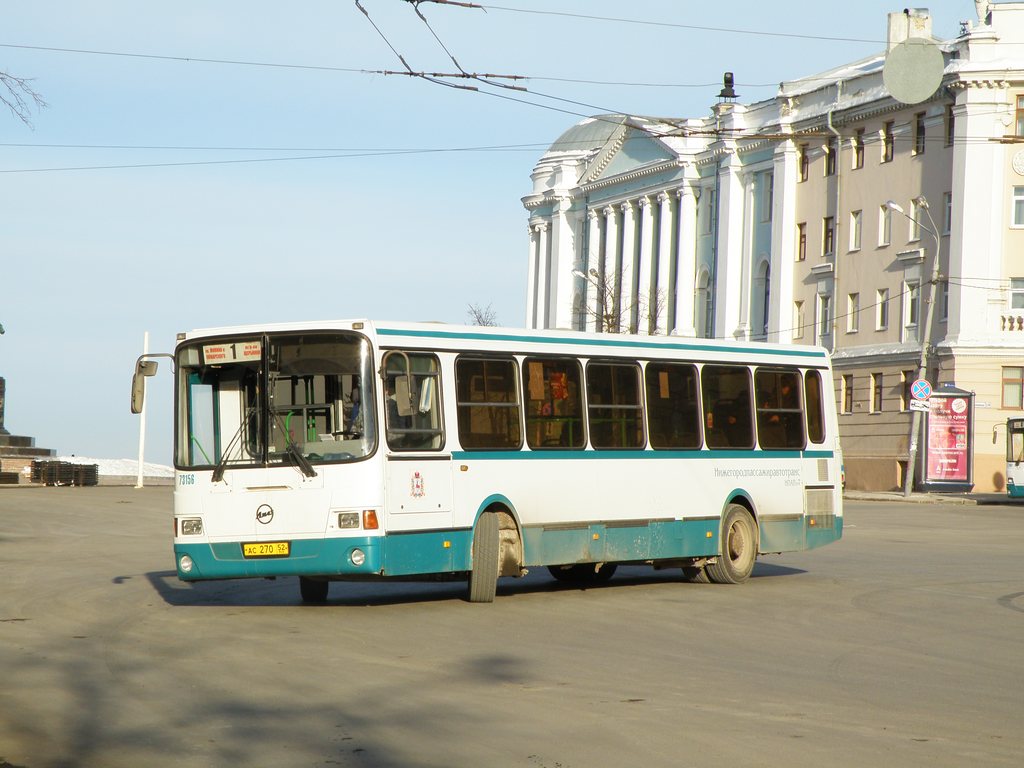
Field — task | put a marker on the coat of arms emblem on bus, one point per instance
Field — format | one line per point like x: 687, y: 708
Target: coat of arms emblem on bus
x: 417, y: 491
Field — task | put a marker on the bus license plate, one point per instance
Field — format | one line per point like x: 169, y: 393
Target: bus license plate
x: 267, y: 549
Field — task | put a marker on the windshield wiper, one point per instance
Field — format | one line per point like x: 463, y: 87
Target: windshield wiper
x: 218, y: 471
x: 292, y: 449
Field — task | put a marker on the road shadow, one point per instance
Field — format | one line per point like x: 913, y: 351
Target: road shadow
x: 284, y: 592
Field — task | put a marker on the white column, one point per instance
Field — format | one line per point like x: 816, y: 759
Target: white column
x: 783, y: 257
x: 609, y: 268
x: 531, y: 278
x: 686, y: 260
x: 659, y: 295
x: 543, y: 274
x: 729, y: 294
x: 563, y: 257
x: 646, y: 258
x: 624, y: 290
x: 593, y: 262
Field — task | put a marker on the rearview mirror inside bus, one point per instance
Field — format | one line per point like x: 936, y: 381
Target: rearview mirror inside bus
x: 143, y: 369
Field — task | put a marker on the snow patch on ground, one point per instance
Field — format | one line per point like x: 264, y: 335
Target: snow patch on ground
x: 121, y: 467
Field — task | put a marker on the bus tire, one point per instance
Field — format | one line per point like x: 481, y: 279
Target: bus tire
x: 483, y: 578
x: 313, y: 591
x: 738, y: 548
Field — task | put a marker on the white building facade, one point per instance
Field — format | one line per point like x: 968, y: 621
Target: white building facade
x: 771, y: 221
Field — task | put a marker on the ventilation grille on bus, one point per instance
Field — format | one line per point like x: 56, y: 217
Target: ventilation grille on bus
x: 822, y: 470
x: 819, y: 501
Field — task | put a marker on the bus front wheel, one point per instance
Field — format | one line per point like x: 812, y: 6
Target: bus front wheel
x: 739, y: 548
x: 313, y: 591
x: 483, y: 578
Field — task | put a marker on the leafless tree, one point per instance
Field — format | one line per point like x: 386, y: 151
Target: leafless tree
x: 612, y: 313
x: 18, y: 95
x: 481, y: 315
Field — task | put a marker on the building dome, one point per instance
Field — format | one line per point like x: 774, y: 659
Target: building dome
x: 588, y: 135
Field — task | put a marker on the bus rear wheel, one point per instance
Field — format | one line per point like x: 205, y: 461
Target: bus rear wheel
x: 313, y: 591
x: 739, y: 548
x: 483, y: 578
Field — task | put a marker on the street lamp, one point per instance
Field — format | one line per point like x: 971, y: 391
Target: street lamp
x: 926, y: 334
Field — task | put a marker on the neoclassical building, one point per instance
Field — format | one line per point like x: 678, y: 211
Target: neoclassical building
x: 832, y: 214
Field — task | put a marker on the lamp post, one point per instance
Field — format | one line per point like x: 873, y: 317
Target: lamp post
x: 926, y: 332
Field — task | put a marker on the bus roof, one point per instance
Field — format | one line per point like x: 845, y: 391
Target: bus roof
x: 444, y: 336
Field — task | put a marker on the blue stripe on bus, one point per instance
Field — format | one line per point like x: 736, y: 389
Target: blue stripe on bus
x: 621, y: 343
x: 429, y: 552
x: 561, y: 454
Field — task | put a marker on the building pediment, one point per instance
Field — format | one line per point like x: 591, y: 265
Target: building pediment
x: 629, y: 150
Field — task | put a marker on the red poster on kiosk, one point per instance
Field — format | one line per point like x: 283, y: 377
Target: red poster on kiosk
x: 948, y: 439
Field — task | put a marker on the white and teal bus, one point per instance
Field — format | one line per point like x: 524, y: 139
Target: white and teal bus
x: 368, y: 450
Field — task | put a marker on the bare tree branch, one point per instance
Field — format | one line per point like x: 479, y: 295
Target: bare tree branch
x: 482, y: 315
x: 18, y: 95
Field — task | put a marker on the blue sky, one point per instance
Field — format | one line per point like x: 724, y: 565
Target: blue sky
x: 91, y: 259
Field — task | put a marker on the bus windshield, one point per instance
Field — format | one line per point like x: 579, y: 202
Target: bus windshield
x: 304, y: 399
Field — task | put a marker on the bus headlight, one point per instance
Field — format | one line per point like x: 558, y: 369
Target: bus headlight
x: 191, y: 526
x: 358, y: 557
x: 348, y: 519
x: 185, y: 564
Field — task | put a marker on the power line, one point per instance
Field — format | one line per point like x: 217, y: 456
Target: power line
x: 673, y: 25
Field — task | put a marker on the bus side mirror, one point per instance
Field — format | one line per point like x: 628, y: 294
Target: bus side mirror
x: 143, y: 369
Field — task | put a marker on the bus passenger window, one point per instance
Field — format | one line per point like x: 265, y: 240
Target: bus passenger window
x: 780, y: 420
x: 815, y: 405
x: 615, y: 410
x: 488, y: 404
x: 725, y: 391
x: 552, y: 399
x: 412, y: 411
x: 673, y: 416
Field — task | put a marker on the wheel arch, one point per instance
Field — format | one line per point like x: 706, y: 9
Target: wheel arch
x: 513, y: 547
x: 741, y: 497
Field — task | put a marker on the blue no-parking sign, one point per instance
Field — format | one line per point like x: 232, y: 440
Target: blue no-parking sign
x: 920, y: 390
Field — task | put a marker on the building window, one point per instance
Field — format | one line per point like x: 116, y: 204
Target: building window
x: 847, y: 393
x: 884, y: 225
x: 888, y: 142
x: 1020, y: 116
x: 1013, y: 387
x: 798, y: 319
x: 911, y: 310
x: 853, y: 313
x: 944, y: 301
x: 767, y: 193
x: 802, y: 162
x: 801, y: 241
x: 830, y: 157
x: 858, y: 149
x: 1017, y: 293
x: 915, y: 222
x: 905, y: 397
x: 949, y: 125
x: 947, y: 212
x: 876, y: 392
x: 1018, y: 206
x: 709, y: 212
x: 882, y: 305
x: 828, y: 235
x: 855, y: 217
x: 824, y: 317
x: 919, y: 133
